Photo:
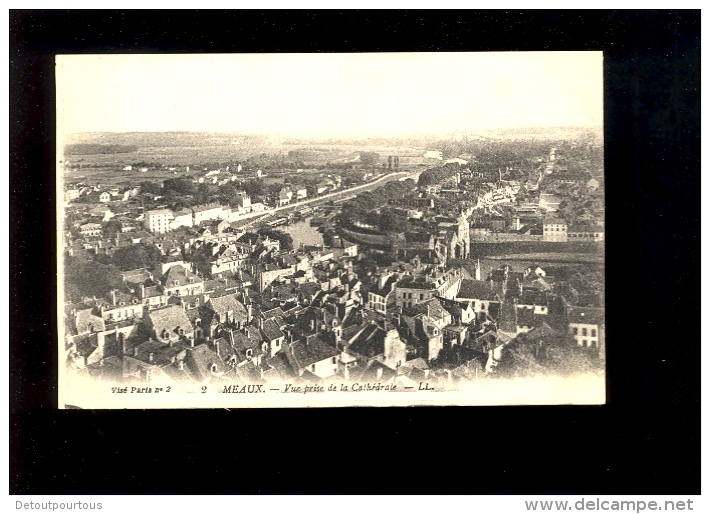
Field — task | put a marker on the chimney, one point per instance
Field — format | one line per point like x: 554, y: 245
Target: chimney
x: 141, y: 291
x: 181, y: 365
x: 135, y: 351
x: 101, y: 361
x: 113, y: 297
x: 379, y: 373
x: 250, y: 313
x: 216, y: 347
x: 150, y: 357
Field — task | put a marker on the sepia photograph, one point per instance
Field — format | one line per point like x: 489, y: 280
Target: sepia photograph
x: 330, y: 229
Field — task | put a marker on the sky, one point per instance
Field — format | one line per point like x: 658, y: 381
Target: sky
x: 328, y: 94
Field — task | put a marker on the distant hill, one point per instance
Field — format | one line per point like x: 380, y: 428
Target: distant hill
x: 97, y: 149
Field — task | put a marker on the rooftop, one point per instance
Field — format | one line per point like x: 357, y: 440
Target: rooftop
x: 585, y: 315
x: 475, y: 289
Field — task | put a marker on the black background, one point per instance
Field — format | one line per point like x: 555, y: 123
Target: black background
x: 646, y: 440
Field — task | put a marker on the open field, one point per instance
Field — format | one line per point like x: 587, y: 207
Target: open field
x: 159, y: 152
x: 537, y: 247
x: 552, y: 257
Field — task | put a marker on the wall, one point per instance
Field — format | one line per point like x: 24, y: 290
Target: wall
x: 395, y: 349
x: 591, y: 341
x: 369, y: 239
x: 324, y: 368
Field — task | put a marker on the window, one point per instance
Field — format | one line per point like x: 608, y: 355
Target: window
x: 584, y: 331
x: 335, y: 360
x: 249, y: 353
x: 594, y: 332
x: 584, y: 343
x: 575, y: 331
x: 421, y: 296
x: 313, y: 367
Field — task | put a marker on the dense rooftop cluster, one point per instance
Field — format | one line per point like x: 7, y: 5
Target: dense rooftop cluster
x: 203, y: 297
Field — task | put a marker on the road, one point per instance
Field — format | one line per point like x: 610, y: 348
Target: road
x: 330, y: 196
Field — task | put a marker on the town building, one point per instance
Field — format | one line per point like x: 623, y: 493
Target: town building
x: 586, y: 326
x: 554, y: 229
x: 158, y: 221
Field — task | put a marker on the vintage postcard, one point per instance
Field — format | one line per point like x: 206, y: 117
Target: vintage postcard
x: 330, y: 230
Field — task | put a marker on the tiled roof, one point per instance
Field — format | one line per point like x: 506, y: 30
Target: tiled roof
x: 475, y: 289
x: 181, y: 275
x: 485, y: 342
x: 311, y: 350
x: 369, y: 374
x: 249, y: 338
x: 369, y: 342
x: 136, y: 276
x: 163, y: 353
x: 587, y: 315
x: 525, y: 318
x: 309, y: 288
x: 350, y: 331
x: 85, y: 318
x: 498, y: 275
x: 271, y: 330
x: 201, y: 360
x: 431, y: 308
x: 386, y: 288
x: 417, y: 363
x: 171, y: 318
x: 543, y: 330
x: 159, y: 211
x: 152, y: 291
x: 206, y: 207
x: 223, y: 304
x: 533, y: 298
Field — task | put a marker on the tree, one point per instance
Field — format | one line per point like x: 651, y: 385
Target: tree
x: 228, y: 194
x: 203, y: 193
x: 285, y: 240
x: 151, y: 188
x: 111, y: 228
x: 89, y: 278
x: 254, y: 187
x: 180, y: 186
x: 369, y: 158
x: 144, y: 255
